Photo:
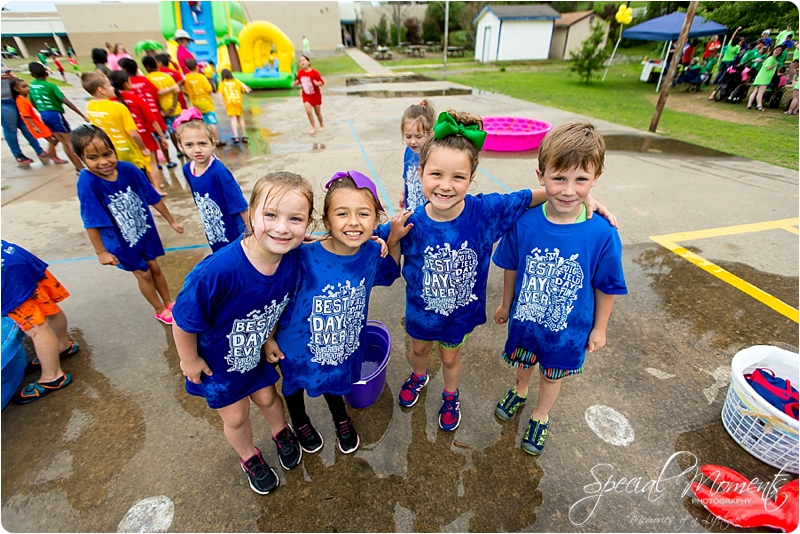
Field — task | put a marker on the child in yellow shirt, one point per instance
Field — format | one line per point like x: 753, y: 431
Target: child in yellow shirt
x: 116, y: 121
x: 168, y: 102
x: 199, y: 91
x: 230, y: 94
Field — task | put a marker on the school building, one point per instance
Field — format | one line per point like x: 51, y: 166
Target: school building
x: 90, y: 25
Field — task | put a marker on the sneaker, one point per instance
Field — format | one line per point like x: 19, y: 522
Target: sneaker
x: 262, y: 477
x: 172, y: 165
x: 346, y: 436
x: 24, y: 159
x: 409, y: 393
x: 450, y: 412
x: 289, y: 451
x: 507, y: 408
x: 535, y: 436
x: 310, y: 440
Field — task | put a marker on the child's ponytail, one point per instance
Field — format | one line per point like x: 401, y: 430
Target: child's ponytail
x: 455, y: 130
x: 422, y: 113
x: 118, y: 79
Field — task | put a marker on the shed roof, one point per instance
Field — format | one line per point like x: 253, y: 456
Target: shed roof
x: 520, y: 12
x: 568, y: 19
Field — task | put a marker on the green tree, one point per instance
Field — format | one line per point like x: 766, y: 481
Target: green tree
x: 381, y: 31
x: 753, y: 17
x: 591, y: 56
x: 430, y: 30
x: 435, y: 10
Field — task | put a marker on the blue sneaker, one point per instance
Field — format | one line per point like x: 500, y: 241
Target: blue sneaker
x: 535, y: 436
x: 508, y: 406
x: 409, y: 393
x: 450, y: 412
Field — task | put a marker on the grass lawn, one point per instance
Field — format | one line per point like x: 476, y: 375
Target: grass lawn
x: 338, y: 64
x: 771, y: 136
x: 400, y: 59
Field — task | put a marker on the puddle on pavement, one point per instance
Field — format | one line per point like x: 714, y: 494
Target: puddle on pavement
x: 402, y: 78
x: 450, y: 91
x: 445, y: 484
x: 659, y: 145
x: 84, y: 437
x: 713, y: 307
x: 711, y: 444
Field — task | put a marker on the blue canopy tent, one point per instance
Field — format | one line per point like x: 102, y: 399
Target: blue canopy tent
x: 668, y: 28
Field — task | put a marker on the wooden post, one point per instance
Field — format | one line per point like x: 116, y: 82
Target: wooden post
x: 673, y: 67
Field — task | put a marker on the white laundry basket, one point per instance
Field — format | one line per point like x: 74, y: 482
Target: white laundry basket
x: 761, y: 429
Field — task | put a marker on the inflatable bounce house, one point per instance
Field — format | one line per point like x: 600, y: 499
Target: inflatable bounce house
x: 258, y: 53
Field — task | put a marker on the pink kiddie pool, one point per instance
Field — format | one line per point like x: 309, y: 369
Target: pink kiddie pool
x: 514, y: 134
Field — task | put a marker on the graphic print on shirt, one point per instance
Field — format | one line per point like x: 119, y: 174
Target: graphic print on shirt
x: 247, y: 336
x: 448, y: 277
x: 549, y: 288
x: 414, y: 187
x: 337, y: 317
x: 211, y: 216
x: 308, y: 85
x: 128, y: 210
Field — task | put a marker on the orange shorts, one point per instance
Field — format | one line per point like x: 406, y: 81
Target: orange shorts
x: 42, y: 303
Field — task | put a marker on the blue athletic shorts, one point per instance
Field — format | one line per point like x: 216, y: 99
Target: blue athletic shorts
x: 55, y: 121
x: 210, y: 117
x: 170, y: 121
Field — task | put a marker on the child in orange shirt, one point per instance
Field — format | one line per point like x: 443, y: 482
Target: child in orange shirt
x: 19, y: 92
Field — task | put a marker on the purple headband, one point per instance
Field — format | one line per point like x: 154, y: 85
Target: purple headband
x: 186, y: 116
x: 361, y: 180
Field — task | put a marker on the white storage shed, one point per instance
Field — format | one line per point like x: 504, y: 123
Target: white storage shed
x: 514, y: 32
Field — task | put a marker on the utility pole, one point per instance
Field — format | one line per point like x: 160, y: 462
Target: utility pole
x: 446, y: 26
x: 673, y: 66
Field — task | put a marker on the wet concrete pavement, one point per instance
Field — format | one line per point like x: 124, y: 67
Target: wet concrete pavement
x: 126, y: 430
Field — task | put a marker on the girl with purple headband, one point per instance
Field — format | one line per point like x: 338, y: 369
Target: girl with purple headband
x: 321, y: 334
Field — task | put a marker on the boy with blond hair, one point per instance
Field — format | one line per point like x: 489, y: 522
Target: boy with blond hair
x: 571, y: 269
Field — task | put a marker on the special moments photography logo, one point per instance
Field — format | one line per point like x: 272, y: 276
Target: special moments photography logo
x: 730, y: 496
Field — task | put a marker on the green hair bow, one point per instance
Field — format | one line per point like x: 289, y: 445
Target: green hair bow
x: 447, y: 125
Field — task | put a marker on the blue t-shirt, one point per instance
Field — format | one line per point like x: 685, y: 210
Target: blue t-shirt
x: 21, y: 273
x: 119, y: 210
x: 413, y: 196
x: 220, y: 200
x: 558, y: 268
x: 233, y: 308
x: 322, y: 333
x: 446, y: 265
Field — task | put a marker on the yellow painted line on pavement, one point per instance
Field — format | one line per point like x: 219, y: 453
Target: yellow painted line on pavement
x: 669, y: 241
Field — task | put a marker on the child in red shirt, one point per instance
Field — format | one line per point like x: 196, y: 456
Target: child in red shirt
x: 149, y: 94
x: 60, y: 69
x: 310, y: 80
x: 146, y: 123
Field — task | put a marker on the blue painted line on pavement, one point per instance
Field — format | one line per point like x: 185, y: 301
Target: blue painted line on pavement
x: 387, y: 203
x: 495, y: 180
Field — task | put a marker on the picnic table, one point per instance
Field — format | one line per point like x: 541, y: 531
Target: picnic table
x: 382, y: 52
x: 453, y: 51
x: 433, y: 46
x: 415, y: 51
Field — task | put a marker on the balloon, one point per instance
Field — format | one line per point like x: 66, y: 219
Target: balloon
x: 624, y: 14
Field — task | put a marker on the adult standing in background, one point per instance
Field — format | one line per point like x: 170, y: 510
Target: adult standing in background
x: 182, y: 38
x: 712, y: 47
x: 13, y: 122
x: 306, y: 46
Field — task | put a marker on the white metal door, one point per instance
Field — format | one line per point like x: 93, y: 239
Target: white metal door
x: 487, y: 41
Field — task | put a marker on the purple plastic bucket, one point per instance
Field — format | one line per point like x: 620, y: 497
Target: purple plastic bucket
x: 513, y: 134
x: 373, y: 371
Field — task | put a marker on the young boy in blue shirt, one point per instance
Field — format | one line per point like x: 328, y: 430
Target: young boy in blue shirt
x: 571, y: 269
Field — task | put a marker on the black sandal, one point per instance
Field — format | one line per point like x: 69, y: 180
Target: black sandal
x: 244, y: 140
x: 235, y: 140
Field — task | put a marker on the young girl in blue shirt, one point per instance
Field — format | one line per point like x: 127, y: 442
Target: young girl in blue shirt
x: 217, y: 195
x: 321, y: 337
x: 416, y: 127
x: 228, y: 307
x: 447, y: 255
x: 114, y: 196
